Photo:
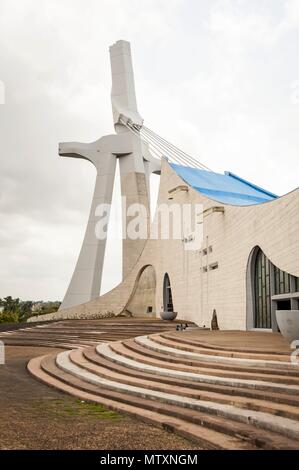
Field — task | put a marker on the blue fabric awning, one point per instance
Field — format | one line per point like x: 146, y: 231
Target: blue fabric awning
x: 226, y: 188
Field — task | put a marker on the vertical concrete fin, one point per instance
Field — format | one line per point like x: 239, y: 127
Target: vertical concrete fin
x: 135, y: 194
x: 123, y: 96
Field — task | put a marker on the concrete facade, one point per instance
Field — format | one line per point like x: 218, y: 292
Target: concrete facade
x: 217, y: 277
x: 232, y: 235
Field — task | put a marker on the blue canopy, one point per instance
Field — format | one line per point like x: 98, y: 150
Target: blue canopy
x: 226, y: 188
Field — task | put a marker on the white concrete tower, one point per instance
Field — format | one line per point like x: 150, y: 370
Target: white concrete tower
x: 134, y: 187
x: 136, y: 164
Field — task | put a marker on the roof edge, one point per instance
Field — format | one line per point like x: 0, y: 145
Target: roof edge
x: 252, y: 185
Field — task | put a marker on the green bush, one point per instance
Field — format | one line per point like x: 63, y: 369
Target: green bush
x: 9, y: 317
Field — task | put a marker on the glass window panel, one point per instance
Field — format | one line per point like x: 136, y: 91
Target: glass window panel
x: 276, y: 274
x: 262, y: 292
x: 287, y: 283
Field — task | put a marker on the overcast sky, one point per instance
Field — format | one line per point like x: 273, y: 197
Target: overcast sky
x: 220, y: 79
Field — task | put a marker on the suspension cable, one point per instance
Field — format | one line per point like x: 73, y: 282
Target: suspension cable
x: 180, y: 156
x: 156, y: 151
x: 161, y: 148
x: 158, y: 145
x: 192, y: 159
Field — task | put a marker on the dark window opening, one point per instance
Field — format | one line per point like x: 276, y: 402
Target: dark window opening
x: 284, y: 305
x: 167, y: 295
x: 213, y: 266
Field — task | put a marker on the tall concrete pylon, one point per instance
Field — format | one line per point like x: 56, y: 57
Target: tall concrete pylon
x: 136, y: 164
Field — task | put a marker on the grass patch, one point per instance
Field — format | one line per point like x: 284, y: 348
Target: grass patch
x: 71, y: 407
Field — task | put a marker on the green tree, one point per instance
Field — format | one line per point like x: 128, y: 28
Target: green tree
x: 25, y: 310
x: 11, y: 305
x: 9, y: 317
x: 10, y: 310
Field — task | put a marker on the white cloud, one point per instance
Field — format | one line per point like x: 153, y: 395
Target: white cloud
x: 253, y: 23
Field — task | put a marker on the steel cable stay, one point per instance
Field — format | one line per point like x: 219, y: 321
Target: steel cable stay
x: 180, y: 155
x: 163, y: 149
x: 160, y: 147
x: 189, y: 157
x: 156, y: 149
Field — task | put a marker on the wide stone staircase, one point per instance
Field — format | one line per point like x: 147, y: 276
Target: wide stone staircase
x: 70, y: 334
x: 222, y: 395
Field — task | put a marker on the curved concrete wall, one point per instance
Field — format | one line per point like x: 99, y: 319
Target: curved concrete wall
x: 143, y: 299
x: 229, y: 238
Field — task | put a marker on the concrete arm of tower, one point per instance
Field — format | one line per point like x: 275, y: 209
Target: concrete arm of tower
x: 96, y: 152
x: 79, y: 150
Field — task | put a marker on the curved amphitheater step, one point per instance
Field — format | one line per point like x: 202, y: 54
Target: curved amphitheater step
x: 142, y: 346
x: 70, y: 334
x: 189, y: 342
x: 219, y: 401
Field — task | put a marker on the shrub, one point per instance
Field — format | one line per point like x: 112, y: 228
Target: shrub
x: 9, y: 317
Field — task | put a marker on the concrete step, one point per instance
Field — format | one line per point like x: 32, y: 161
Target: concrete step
x: 202, y: 428
x: 201, y: 385
x: 168, y: 423
x: 92, y: 356
x: 117, y: 353
x: 214, y: 350
x: 159, y: 360
x: 53, y: 339
x: 49, y: 344
x: 80, y: 333
x: 285, y: 426
x: 145, y: 346
x: 77, y: 357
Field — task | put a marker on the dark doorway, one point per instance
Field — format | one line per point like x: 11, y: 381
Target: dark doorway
x: 270, y: 281
x: 167, y: 295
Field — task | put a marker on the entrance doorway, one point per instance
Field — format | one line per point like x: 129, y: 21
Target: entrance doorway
x: 167, y: 295
x: 269, y: 289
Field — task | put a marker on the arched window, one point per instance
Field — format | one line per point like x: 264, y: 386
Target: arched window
x: 270, y: 281
x: 167, y: 294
